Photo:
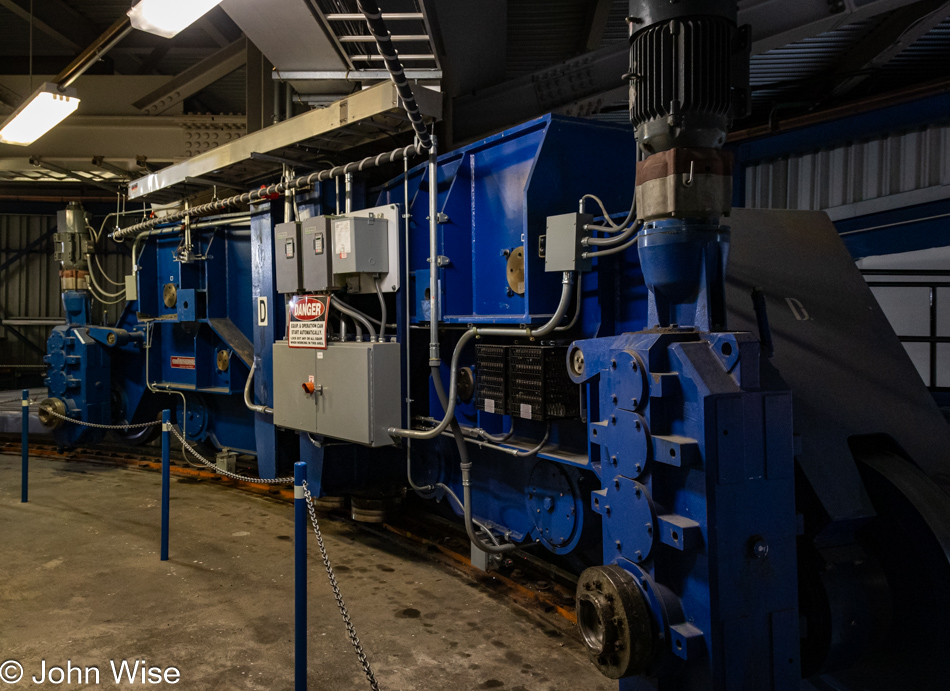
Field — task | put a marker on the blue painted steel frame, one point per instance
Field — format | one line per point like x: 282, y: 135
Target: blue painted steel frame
x: 497, y: 194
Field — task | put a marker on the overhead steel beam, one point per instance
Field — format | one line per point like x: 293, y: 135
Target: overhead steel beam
x: 213, y: 32
x: 775, y: 23
x: 597, y: 16
x: 350, y: 75
x: 379, y: 100
x: 57, y: 20
x: 100, y: 162
x: 101, y: 184
x: 526, y: 97
x: 194, y: 79
x: 884, y: 43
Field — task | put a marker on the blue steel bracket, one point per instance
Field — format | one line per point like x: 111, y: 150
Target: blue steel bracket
x: 187, y: 305
x: 115, y: 338
x: 697, y: 500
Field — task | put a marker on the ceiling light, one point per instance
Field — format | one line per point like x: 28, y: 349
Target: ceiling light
x: 41, y: 112
x: 168, y: 17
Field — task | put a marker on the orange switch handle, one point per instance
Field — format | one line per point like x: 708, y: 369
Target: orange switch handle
x: 308, y: 387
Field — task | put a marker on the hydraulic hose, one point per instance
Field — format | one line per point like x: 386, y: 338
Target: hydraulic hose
x: 247, y: 393
x: 384, y: 43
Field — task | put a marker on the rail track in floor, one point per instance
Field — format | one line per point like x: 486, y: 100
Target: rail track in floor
x: 522, y: 578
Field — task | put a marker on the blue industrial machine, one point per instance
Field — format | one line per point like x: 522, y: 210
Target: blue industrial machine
x: 700, y: 411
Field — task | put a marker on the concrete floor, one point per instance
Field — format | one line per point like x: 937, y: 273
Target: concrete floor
x: 80, y: 579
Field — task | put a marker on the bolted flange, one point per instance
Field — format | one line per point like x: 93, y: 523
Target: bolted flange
x: 615, y: 622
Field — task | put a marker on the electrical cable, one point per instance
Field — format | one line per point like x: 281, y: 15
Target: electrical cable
x: 607, y: 219
x: 384, y: 43
x: 613, y: 250
x: 615, y: 240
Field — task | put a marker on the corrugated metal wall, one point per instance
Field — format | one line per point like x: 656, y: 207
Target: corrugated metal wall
x: 856, y: 172
x: 30, y: 288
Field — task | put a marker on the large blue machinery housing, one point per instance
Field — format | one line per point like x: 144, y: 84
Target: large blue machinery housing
x: 701, y: 411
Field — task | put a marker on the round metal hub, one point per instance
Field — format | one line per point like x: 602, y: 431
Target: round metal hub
x: 516, y: 271
x: 551, y: 504
x: 170, y: 295
x: 614, y: 621
x: 47, y: 408
x: 466, y: 385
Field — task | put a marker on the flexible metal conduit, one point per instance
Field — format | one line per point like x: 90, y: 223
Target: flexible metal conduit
x: 258, y: 195
x: 377, y: 27
x: 567, y: 282
x: 357, y: 316
x: 247, y: 393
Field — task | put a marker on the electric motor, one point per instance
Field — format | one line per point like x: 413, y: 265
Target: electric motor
x: 686, y: 77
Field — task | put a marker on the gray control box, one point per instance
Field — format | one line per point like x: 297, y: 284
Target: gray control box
x: 356, y: 389
x: 562, y: 246
x: 316, y: 249
x: 360, y: 245
x: 287, y: 260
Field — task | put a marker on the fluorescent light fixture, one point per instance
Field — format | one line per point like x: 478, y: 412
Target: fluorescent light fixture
x: 41, y: 112
x: 168, y: 17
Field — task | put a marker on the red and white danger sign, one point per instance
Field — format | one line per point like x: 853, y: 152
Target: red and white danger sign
x: 307, y: 325
x: 181, y: 362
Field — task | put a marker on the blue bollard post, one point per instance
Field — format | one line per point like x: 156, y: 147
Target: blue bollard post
x: 300, y: 578
x: 166, y: 480
x: 25, y: 448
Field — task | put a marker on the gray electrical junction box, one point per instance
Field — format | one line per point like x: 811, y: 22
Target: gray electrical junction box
x: 317, y: 253
x: 563, y: 249
x: 355, y: 390
x: 360, y: 245
x: 287, y: 260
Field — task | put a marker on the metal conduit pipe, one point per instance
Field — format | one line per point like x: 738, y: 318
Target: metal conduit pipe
x: 356, y: 316
x: 612, y: 250
x: 91, y: 55
x: 497, y: 438
x: 384, y: 43
x: 567, y: 281
x: 479, y: 438
x: 363, y: 314
x: 261, y: 194
x: 382, y: 309
x: 434, y: 356
x: 614, y: 240
x: 247, y: 393
x: 466, y: 466
x: 577, y: 306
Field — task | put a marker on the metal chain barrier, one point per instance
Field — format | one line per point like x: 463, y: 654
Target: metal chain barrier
x: 226, y: 473
x: 350, y: 630
x: 137, y: 425
x: 186, y: 445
